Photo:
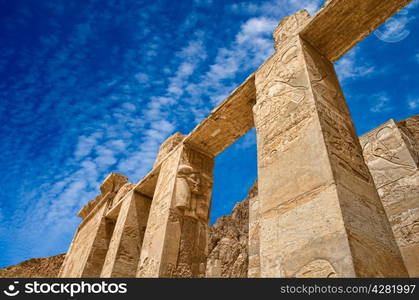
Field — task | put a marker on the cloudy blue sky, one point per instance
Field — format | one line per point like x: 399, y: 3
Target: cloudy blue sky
x: 88, y: 87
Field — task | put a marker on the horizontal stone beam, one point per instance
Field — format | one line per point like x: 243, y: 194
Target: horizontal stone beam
x: 147, y: 185
x: 230, y: 120
x: 341, y: 24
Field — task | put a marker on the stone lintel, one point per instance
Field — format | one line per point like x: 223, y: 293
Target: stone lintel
x: 230, y: 120
x: 147, y: 185
x: 341, y: 24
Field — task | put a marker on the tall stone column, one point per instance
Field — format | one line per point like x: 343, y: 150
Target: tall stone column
x: 320, y: 214
x: 86, y: 254
x: 175, y: 241
x: 88, y: 249
x: 391, y: 153
x: 125, y: 246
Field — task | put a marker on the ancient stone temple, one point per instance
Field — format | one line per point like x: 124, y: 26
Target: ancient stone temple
x: 321, y: 209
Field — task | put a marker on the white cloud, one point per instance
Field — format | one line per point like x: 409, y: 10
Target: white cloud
x: 413, y: 104
x: 352, y: 67
x: 255, y: 27
x: 417, y: 58
x: 190, y: 56
x: 86, y: 144
x: 277, y: 8
x: 142, y: 77
x: 380, y: 103
x: 251, y: 47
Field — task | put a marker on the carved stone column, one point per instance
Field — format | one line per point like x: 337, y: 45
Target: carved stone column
x: 391, y: 152
x: 175, y: 241
x: 125, y: 246
x: 320, y: 214
x: 89, y: 246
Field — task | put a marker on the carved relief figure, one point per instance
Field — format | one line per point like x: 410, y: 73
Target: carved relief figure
x: 193, y: 192
x: 318, y: 268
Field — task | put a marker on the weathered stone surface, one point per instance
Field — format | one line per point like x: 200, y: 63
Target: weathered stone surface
x: 289, y: 27
x: 47, y: 267
x: 168, y: 145
x: 112, y: 183
x: 341, y: 24
x: 125, y: 245
x: 230, y: 120
x: 228, y: 242
x: 316, y: 196
x: 89, y: 246
x: 254, y: 228
x: 318, y: 213
x: 175, y: 241
x: 392, y: 157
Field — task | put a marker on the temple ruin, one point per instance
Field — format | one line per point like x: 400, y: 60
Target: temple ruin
x: 322, y: 210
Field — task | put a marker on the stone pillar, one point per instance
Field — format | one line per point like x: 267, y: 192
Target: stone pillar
x: 320, y: 214
x: 391, y: 153
x: 125, y: 246
x: 89, y: 246
x: 87, y: 252
x: 175, y: 241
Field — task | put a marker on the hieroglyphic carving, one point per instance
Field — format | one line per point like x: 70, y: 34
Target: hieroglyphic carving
x: 390, y: 156
x: 289, y: 27
x: 341, y: 139
x: 282, y: 100
x: 342, y: 143
x: 318, y: 268
x: 387, y: 154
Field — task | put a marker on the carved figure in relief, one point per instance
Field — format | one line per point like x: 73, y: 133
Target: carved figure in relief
x: 318, y: 268
x: 383, y: 145
x: 193, y: 192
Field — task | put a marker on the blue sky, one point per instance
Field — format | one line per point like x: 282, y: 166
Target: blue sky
x: 89, y: 87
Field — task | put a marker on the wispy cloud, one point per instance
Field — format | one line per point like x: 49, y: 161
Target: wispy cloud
x: 276, y: 8
x: 352, y: 66
x: 99, y: 91
x: 413, y: 104
x: 380, y: 103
